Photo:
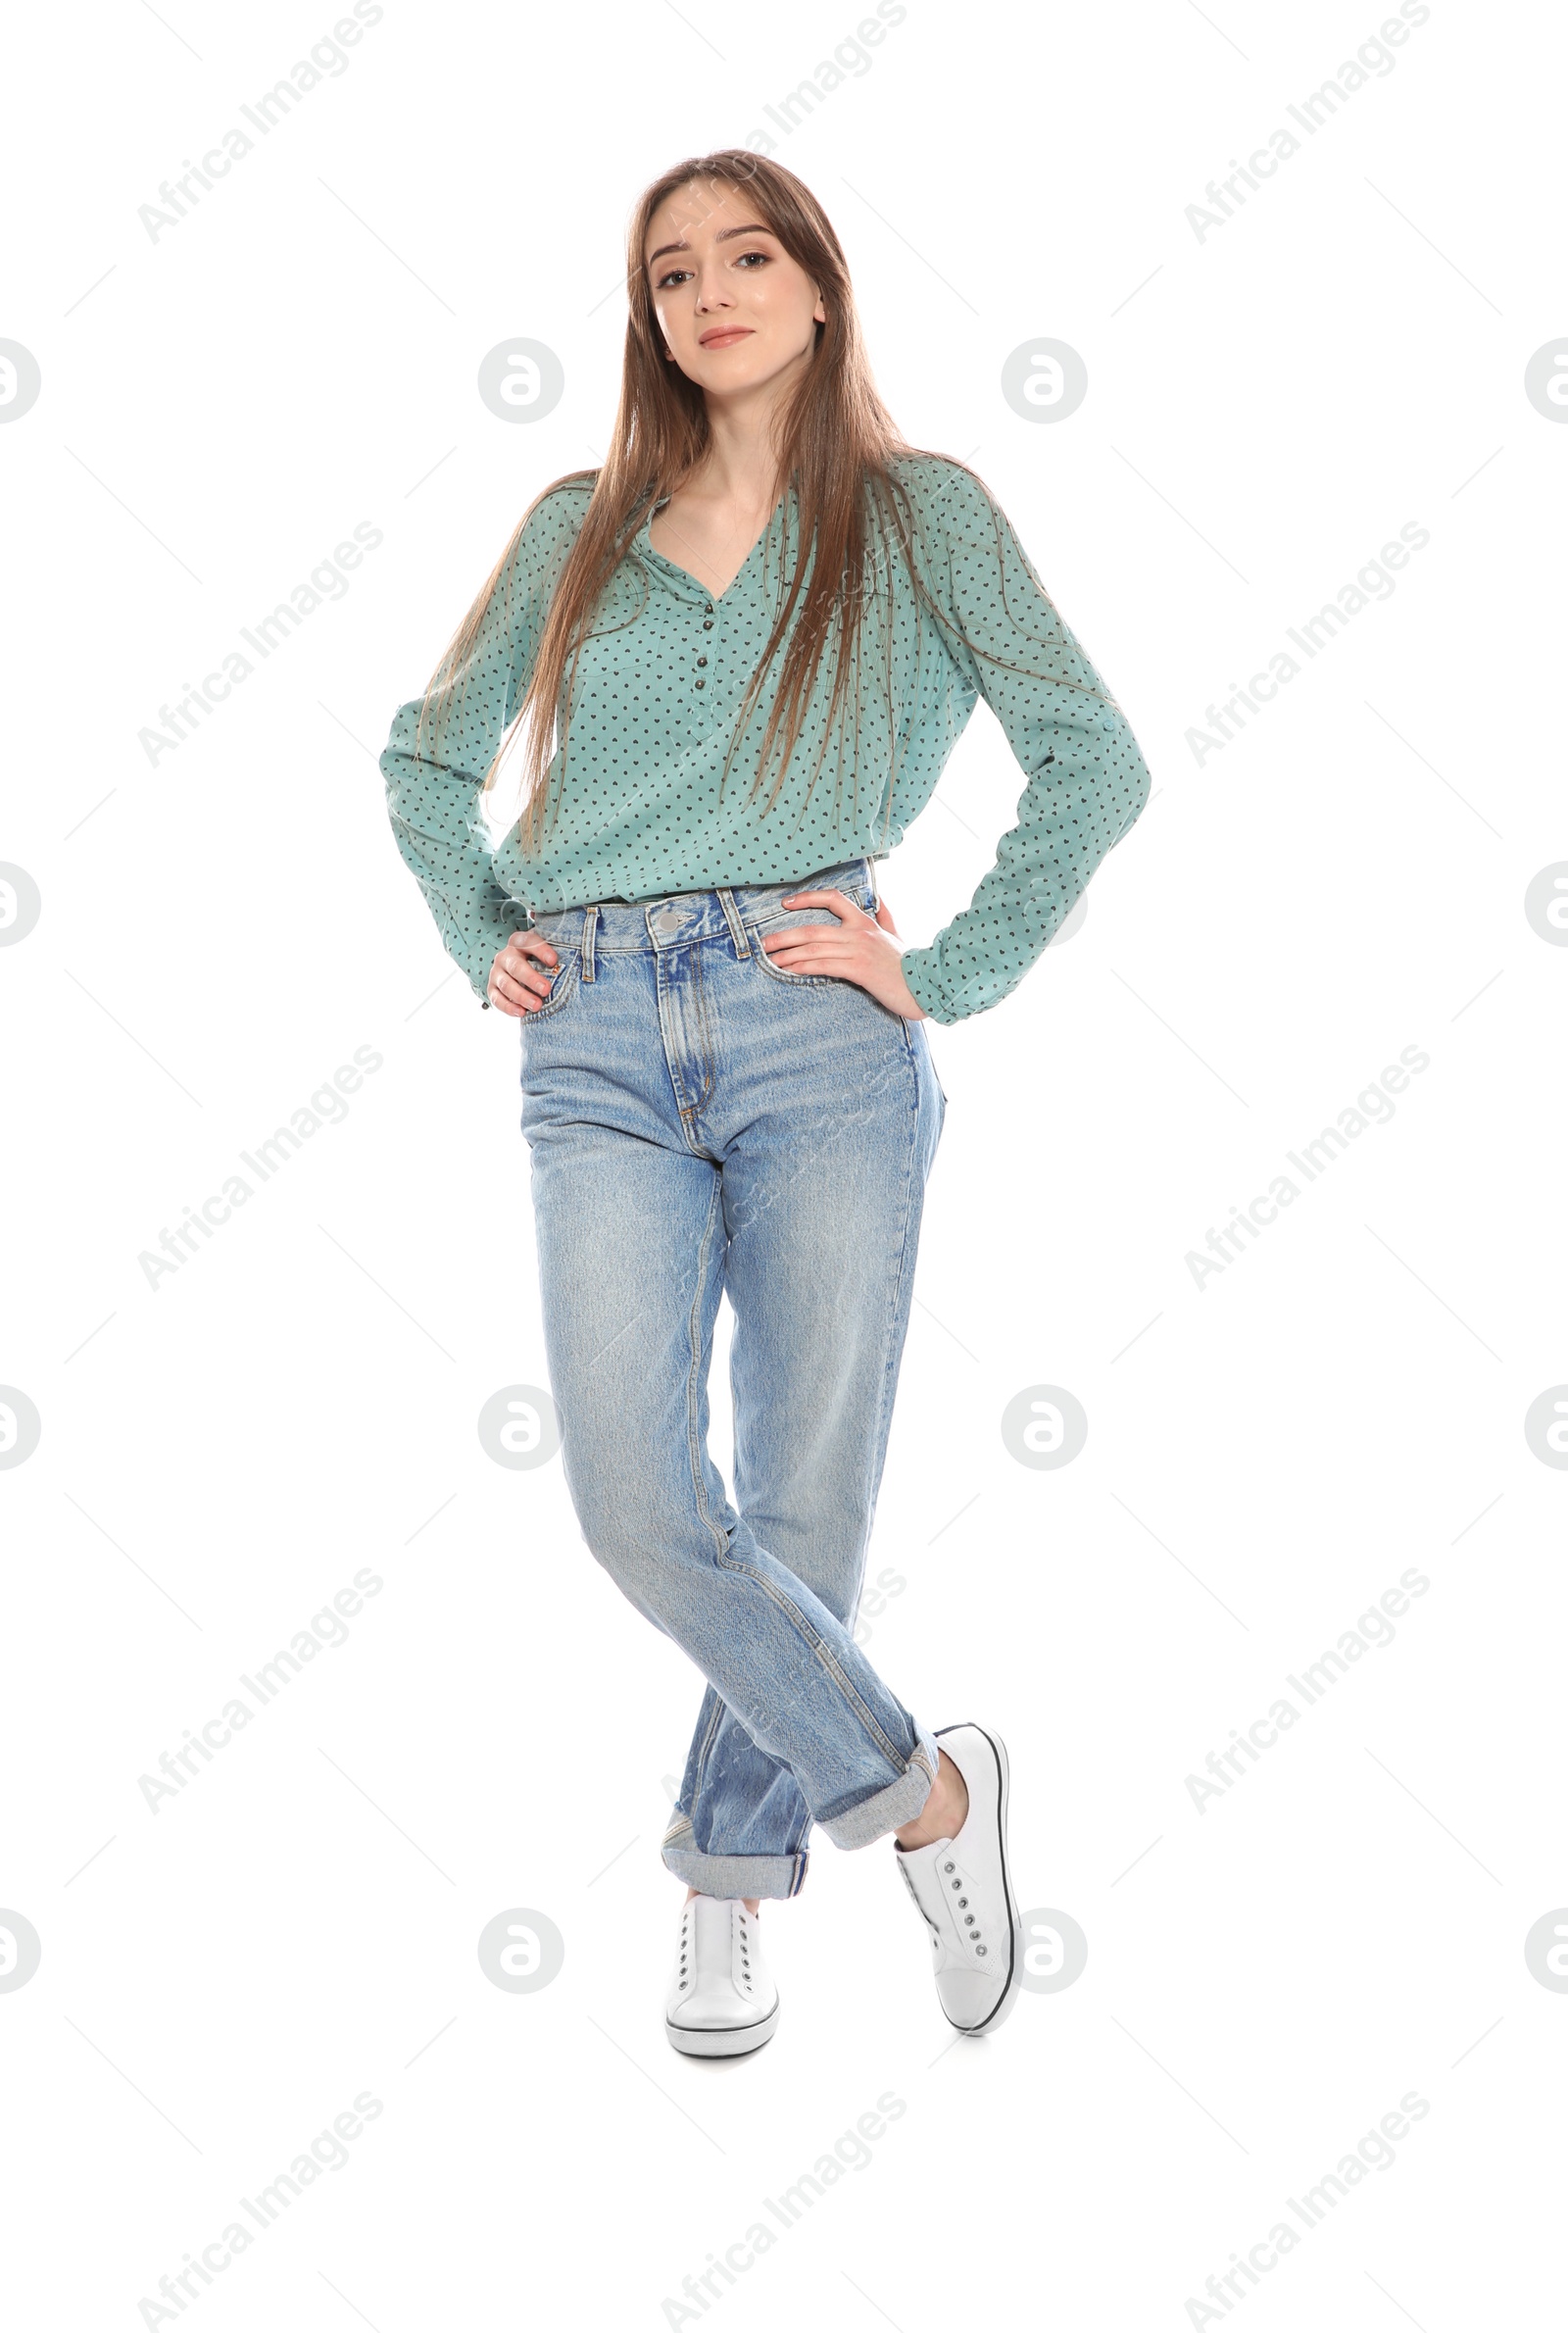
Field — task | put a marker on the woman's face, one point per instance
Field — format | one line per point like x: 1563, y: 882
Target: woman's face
x: 734, y: 310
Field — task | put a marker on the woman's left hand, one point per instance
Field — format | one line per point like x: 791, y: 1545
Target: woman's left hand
x: 854, y: 949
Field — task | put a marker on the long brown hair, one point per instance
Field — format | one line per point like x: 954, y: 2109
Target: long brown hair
x: 834, y: 440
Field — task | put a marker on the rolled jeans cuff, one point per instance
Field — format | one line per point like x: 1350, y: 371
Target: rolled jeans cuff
x: 737, y: 1876
x: 890, y: 1808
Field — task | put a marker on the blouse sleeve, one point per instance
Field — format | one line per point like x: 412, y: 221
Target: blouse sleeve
x: 434, y: 786
x: 1087, y: 779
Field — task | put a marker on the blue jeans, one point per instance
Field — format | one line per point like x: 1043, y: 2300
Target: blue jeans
x: 701, y: 1120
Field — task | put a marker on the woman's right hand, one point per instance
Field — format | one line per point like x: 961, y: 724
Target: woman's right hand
x: 515, y: 985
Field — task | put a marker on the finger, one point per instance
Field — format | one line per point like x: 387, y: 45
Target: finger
x: 839, y: 962
x: 518, y: 988
x: 528, y: 943
x: 838, y: 901
x: 844, y: 934
x: 519, y: 966
x: 806, y: 936
x: 506, y: 994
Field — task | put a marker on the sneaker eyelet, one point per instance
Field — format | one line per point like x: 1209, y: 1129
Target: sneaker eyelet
x: 980, y: 1948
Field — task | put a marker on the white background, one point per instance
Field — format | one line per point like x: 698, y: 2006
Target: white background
x: 1266, y: 1454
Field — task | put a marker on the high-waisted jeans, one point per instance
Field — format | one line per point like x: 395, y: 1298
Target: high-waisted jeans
x: 702, y: 1120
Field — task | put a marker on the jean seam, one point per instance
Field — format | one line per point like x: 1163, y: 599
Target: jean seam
x: 709, y: 1072
x: 889, y: 1376
x: 704, y: 1749
x: 797, y: 1618
x: 797, y: 979
x: 809, y: 1637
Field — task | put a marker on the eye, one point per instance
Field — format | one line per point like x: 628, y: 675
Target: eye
x: 763, y: 255
x: 663, y: 282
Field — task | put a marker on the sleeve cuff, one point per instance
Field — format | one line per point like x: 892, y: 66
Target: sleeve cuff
x: 919, y: 968
x: 476, y: 959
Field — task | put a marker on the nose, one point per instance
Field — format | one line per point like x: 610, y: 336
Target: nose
x: 710, y: 291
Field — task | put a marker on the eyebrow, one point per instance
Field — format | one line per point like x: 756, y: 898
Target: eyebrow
x: 725, y: 236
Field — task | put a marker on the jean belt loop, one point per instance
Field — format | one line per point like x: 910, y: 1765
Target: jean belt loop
x: 737, y: 929
x: 870, y: 883
x: 589, y: 923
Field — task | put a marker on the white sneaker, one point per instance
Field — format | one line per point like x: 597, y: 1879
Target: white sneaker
x: 723, y: 2001
x: 962, y: 1891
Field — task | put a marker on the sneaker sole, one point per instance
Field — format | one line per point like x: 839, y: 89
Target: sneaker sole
x: 1004, y: 2007
x: 721, y: 2041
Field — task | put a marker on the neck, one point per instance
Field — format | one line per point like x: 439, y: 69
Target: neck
x: 742, y: 465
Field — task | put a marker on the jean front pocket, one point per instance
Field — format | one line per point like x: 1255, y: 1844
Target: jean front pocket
x: 788, y: 919
x: 563, y: 989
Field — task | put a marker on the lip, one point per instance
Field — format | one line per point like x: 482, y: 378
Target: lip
x: 722, y: 335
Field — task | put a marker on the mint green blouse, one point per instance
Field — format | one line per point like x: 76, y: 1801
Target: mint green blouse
x: 660, y: 685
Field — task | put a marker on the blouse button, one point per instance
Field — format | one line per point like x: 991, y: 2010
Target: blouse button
x: 708, y: 609
x: 702, y: 684
x: 707, y: 623
x: 701, y: 660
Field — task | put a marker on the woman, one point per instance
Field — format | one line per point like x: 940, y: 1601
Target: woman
x: 726, y: 1083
